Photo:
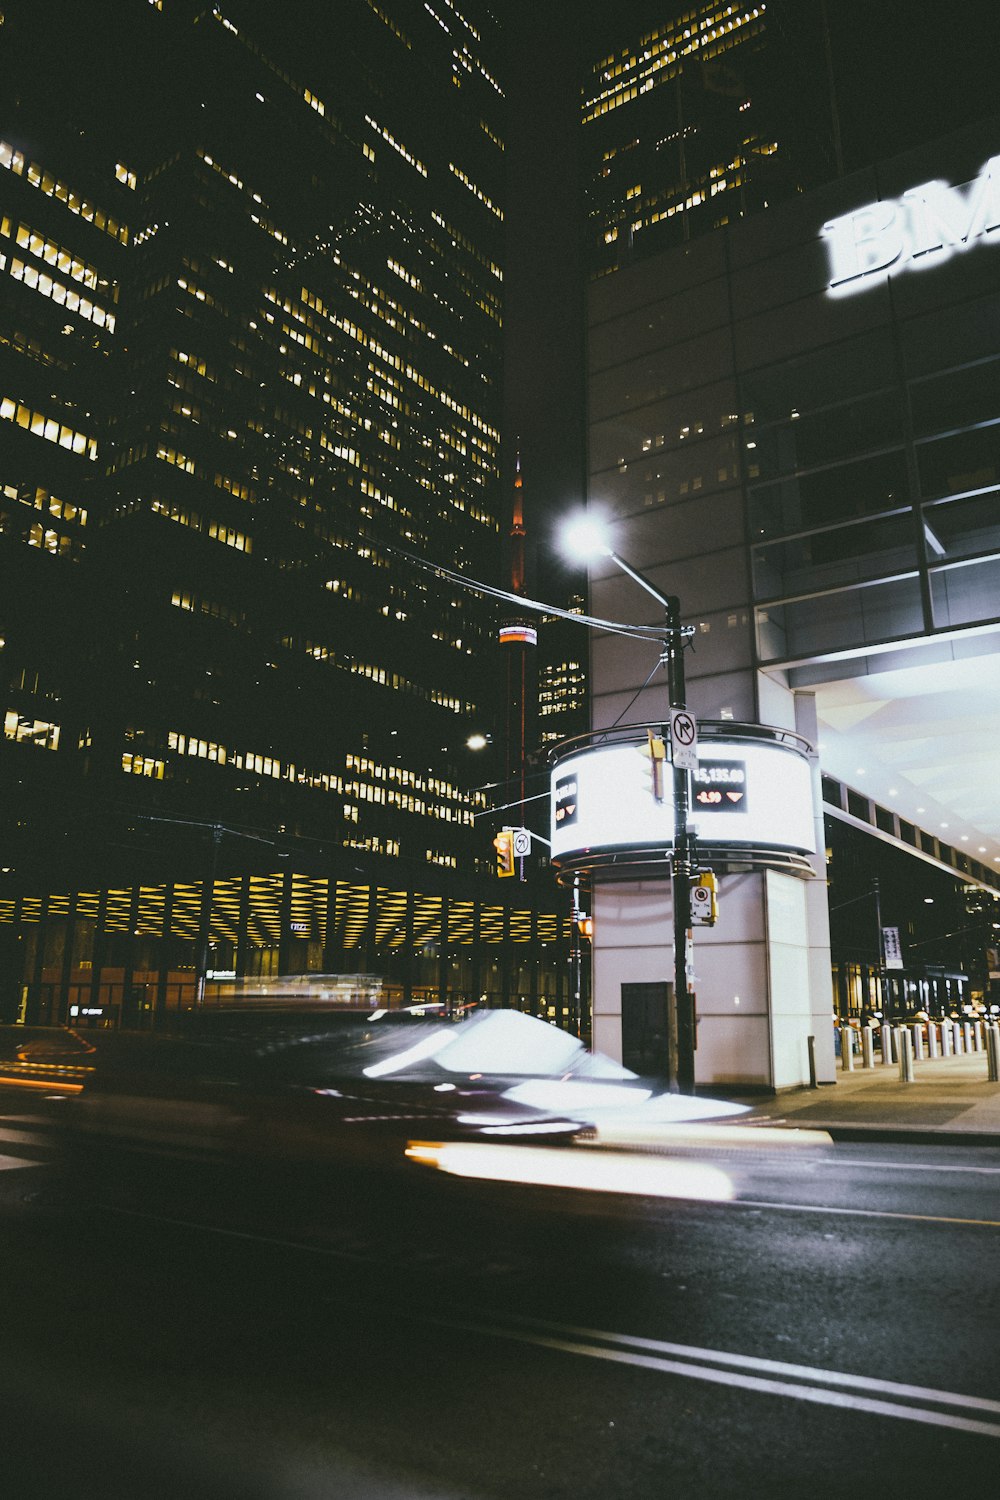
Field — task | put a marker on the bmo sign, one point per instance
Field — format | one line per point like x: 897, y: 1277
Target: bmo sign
x: 923, y: 227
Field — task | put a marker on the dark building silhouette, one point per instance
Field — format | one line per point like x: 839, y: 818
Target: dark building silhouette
x: 251, y: 367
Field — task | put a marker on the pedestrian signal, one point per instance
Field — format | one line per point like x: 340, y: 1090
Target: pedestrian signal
x: 705, y: 898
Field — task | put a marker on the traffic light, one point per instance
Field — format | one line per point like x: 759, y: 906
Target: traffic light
x: 656, y: 750
x: 704, y: 898
x: 504, y: 845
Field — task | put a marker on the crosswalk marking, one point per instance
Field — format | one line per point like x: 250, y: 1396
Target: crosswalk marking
x: 25, y: 1141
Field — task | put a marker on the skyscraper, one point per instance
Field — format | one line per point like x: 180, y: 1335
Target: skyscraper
x: 675, y: 140
x: 304, y: 383
x: 255, y: 256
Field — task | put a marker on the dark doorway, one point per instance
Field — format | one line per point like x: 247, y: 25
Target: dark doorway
x: 649, y: 1040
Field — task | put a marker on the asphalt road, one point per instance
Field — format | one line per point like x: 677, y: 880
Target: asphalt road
x: 831, y: 1331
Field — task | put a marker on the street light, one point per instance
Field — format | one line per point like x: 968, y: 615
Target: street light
x: 585, y: 537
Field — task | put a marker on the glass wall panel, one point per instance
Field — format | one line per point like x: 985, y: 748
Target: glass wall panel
x: 350, y: 915
x: 967, y: 593
x: 960, y: 398
x: 830, y: 622
x: 861, y: 367
x: 678, y: 367
x: 951, y: 336
x: 962, y: 528
x: 956, y: 465
x: 837, y: 494
x: 851, y: 553
x: 825, y: 437
x: 639, y: 439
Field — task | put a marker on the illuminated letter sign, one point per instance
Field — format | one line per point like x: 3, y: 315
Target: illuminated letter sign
x: 923, y: 227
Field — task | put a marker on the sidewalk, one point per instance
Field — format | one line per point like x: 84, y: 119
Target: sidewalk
x: 950, y: 1101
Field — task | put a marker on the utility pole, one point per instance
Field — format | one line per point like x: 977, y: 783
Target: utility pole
x: 880, y: 950
x: 684, y: 857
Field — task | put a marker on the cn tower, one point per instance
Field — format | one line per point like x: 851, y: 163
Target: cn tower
x: 518, y: 639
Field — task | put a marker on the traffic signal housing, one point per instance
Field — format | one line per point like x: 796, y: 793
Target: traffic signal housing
x: 656, y: 751
x: 503, y: 843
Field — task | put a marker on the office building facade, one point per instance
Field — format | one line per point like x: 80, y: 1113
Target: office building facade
x: 793, y: 428
x: 690, y: 124
x: 252, y: 372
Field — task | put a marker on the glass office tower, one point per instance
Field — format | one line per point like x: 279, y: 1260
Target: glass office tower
x: 304, y: 386
x: 677, y: 136
x: 793, y: 427
x: 254, y: 341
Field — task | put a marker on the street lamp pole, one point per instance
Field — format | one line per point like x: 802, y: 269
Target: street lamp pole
x: 684, y: 859
x: 586, y: 537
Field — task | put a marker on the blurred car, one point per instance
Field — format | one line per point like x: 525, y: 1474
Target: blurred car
x: 308, y: 1084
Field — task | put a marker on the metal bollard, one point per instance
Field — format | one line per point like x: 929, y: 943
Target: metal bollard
x: 918, y: 1042
x: 993, y: 1052
x: 904, y: 1042
x: 947, y: 1039
x: 847, y: 1048
x: 867, y: 1047
x: 887, y: 1050
x: 957, y: 1030
x: 977, y: 1035
x: 967, y: 1035
x: 933, y: 1048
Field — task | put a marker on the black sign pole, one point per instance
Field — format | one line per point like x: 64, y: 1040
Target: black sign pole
x: 682, y: 865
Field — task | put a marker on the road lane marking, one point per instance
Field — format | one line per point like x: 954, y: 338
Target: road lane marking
x: 860, y: 1213
x: 819, y: 1395
x: 24, y: 1138
x: 908, y: 1166
x: 8, y: 1163
x: 688, y: 1361
x: 771, y: 1366
x: 700, y: 1364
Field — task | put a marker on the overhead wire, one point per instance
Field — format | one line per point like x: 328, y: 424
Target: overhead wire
x: 520, y: 601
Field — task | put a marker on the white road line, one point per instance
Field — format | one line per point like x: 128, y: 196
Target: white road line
x: 690, y: 1361
x: 817, y: 1394
x: 772, y: 1366
x: 859, y: 1213
x: 906, y: 1166
x: 8, y: 1163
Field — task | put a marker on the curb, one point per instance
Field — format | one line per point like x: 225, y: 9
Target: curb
x: 911, y: 1135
